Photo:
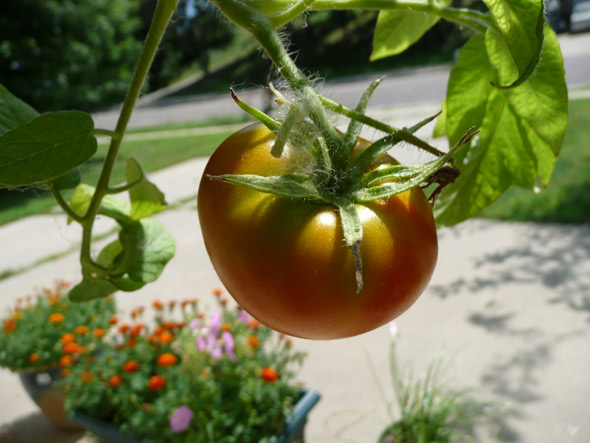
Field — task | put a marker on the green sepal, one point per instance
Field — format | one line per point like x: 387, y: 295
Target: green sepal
x: 404, y: 177
x: 288, y: 185
x: 355, y: 126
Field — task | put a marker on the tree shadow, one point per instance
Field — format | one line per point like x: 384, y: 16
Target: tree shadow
x: 548, y: 254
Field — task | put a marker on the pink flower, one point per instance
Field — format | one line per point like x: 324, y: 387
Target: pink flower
x: 229, y: 345
x: 243, y: 316
x: 181, y: 418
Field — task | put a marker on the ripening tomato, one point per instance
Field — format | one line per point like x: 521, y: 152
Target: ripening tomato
x: 285, y: 261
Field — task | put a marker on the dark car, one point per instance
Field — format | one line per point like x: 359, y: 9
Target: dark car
x: 580, y: 16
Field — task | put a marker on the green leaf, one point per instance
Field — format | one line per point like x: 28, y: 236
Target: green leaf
x: 397, y: 30
x: 69, y: 180
x: 13, y: 111
x: 110, y: 206
x: 146, y: 198
x: 522, y: 129
x: 147, y: 247
x: 91, y: 289
x: 46, y: 148
x: 515, y: 46
x: 111, y: 256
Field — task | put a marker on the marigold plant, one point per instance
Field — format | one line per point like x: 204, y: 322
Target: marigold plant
x: 47, y: 329
x: 220, y: 368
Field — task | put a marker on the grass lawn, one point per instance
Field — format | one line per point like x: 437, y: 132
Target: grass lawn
x: 567, y: 198
x: 153, y: 154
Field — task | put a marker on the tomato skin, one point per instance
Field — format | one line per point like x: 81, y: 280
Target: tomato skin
x: 285, y: 261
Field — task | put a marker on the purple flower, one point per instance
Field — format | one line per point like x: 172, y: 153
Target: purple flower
x: 229, y: 345
x: 181, y: 418
x: 243, y: 316
x: 195, y: 324
x: 201, y: 344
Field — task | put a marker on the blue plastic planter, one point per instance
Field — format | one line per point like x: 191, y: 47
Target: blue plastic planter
x: 293, y: 431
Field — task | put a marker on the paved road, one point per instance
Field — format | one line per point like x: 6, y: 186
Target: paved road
x: 399, y: 89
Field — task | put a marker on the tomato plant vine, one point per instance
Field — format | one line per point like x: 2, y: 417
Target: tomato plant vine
x: 504, y: 115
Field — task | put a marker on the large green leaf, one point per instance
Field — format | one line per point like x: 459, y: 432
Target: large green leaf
x: 397, y: 30
x: 522, y: 128
x: 110, y: 257
x: 146, y: 198
x: 46, y: 148
x: 517, y: 42
x: 147, y: 247
x: 110, y: 206
x: 13, y: 111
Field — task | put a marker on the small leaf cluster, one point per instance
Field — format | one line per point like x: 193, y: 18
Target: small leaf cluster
x: 234, y: 374
x: 48, y: 329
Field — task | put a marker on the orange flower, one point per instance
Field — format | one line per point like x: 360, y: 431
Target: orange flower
x: 64, y: 284
x: 81, y: 330
x: 115, y: 380
x: 66, y: 360
x: 98, y: 332
x: 17, y: 315
x: 82, y: 349
x: 159, y: 330
x: 253, y: 341
x: 223, y: 301
x: 86, y: 376
x: 269, y: 375
x: 65, y: 372
x: 34, y: 357
x: 131, y: 366
x: 225, y: 327
x: 113, y: 320
x: 71, y: 348
x: 124, y: 328
x: 56, y: 318
x: 136, y: 330
x: 167, y: 359
x: 134, y: 314
x: 156, y: 382
x: 131, y: 343
x: 205, y: 372
x: 9, y: 325
x: 166, y: 337
x: 53, y: 300
x: 169, y: 325
x: 67, y: 338
x: 171, y: 304
x: 217, y: 292
x: 254, y: 324
x: 157, y: 304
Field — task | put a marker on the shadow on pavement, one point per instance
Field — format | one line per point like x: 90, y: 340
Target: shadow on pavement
x: 36, y: 428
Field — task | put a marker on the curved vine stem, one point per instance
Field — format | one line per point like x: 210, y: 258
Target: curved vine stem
x: 479, y: 21
x: 162, y: 15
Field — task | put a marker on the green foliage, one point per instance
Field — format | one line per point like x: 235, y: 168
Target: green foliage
x: 397, y: 30
x: 521, y: 129
x: 431, y: 413
x: 566, y: 199
x: 68, y: 54
x: 46, y: 148
x: 233, y: 373
x: 33, y: 332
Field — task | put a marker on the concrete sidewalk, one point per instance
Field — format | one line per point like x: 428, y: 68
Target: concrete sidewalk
x: 509, y: 303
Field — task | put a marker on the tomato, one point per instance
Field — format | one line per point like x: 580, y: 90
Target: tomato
x: 285, y: 261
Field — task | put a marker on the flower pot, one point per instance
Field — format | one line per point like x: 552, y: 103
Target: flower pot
x: 40, y: 386
x: 293, y: 431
